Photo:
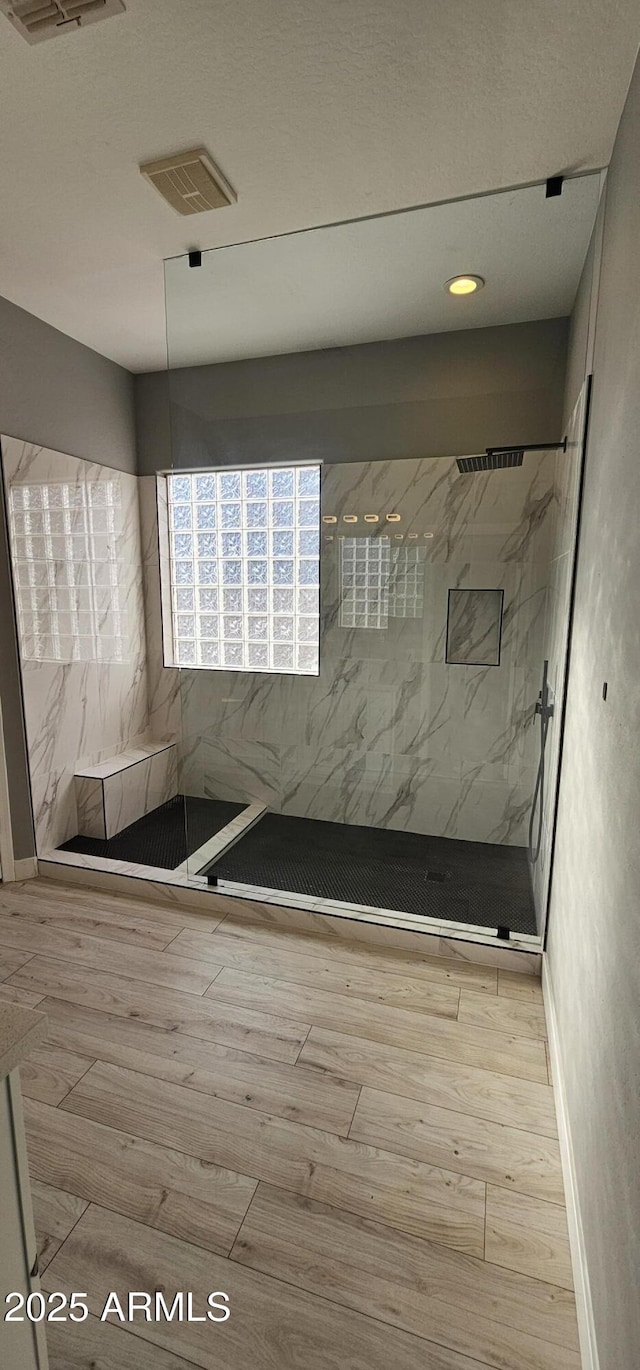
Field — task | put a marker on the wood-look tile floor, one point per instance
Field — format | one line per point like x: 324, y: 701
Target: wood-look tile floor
x: 357, y: 1145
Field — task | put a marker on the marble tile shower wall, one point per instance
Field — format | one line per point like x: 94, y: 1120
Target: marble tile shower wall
x: 75, y: 546
x: 388, y: 734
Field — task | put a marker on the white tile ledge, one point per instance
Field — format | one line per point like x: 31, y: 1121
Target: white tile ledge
x: 129, y: 756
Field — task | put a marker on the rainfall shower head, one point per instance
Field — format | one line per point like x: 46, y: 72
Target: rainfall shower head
x: 500, y: 458
x: 492, y: 460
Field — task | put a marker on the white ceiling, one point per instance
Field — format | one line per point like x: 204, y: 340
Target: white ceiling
x: 315, y: 111
x: 384, y: 278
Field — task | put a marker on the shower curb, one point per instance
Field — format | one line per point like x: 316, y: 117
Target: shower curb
x: 402, y: 932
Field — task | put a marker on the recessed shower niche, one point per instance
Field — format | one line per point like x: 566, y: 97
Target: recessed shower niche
x: 474, y: 627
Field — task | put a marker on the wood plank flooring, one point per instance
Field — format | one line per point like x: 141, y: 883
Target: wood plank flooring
x: 358, y: 1145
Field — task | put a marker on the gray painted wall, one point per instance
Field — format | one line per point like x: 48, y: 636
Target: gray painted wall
x: 442, y: 395
x: 55, y: 392
x: 594, y: 923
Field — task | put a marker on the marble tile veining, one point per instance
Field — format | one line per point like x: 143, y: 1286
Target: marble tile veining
x: 388, y: 734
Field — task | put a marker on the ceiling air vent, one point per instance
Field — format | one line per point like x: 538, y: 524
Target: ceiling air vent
x: 190, y: 182
x: 37, y: 20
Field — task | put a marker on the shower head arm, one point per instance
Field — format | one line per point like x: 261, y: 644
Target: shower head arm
x: 527, y: 447
x: 501, y: 458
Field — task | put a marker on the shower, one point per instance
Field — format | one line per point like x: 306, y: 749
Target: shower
x: 503, y: 458
x: 491, y: 460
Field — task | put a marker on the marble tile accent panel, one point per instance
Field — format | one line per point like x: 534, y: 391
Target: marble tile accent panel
x: 474, y: 627
x: 80, y: 709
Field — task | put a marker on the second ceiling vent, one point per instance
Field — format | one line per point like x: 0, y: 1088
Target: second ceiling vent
x: 37, y: 20
x: 190, y: 182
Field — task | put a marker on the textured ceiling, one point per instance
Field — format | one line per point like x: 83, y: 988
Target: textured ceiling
x: 314, y: 111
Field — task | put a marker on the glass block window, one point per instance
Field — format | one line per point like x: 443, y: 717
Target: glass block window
x: 244, y: 569
x: 64, y: 541
x: 365, y: 572
x: 406, y: 590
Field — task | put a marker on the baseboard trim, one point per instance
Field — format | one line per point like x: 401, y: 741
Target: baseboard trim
x: 26, y: 868
x: 584, y: 1304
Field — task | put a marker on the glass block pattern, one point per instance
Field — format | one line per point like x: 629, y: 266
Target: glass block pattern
x: 406, y: 589
x: 64, y: 539
x: 244, y: 556
x: 379, y: 582
x: 365, y: 571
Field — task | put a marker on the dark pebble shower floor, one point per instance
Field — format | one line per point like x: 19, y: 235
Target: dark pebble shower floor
x: 475, y: 883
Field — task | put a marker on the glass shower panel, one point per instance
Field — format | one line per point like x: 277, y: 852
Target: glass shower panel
x: 391, y: 699
x: 568, y: 467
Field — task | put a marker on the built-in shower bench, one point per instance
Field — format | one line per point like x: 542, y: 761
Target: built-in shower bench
x: 114, y: 793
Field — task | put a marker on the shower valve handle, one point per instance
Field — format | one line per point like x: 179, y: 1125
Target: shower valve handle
x: 546, y: 710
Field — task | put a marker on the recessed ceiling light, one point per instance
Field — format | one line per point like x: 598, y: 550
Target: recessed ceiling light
x: 464, y: 285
